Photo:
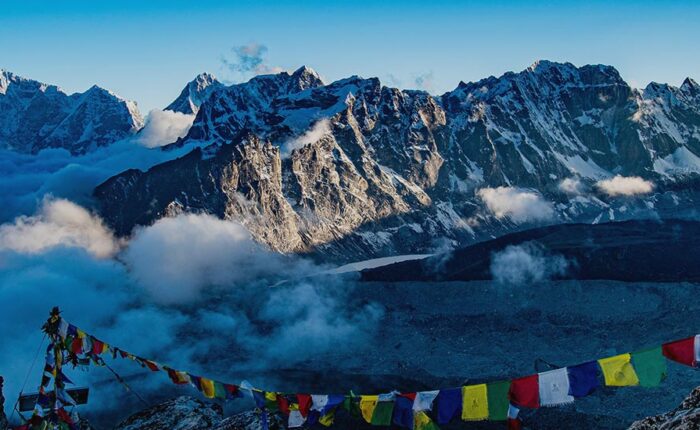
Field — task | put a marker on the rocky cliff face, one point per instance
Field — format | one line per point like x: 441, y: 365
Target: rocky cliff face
x: 35, y: 116
x: 685, y: 417
x: 356, y: 169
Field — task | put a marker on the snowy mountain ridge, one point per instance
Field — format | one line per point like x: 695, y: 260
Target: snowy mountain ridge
x: 355, y: 168
x: 35, y: 116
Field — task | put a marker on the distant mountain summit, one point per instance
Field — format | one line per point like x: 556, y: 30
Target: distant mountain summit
x: 35, y: 116
x: 194, y: 94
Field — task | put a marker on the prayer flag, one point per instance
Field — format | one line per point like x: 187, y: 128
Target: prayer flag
x: 514, y: 422
x: 448, y: 404
x: 270, y: 400
x: 258, y: 397
x: 352, y: 405
x: 475, y: 403
x: 424, y: 400
x: 618, y: 371
x: 650, y: 366
x: 681, y: 351
x: 421, y: 421
x: 583, y: 379
x: 525, y: 392
x: 383, y: 411
x: 328, y: 411
x: 367, y: 406
x: 296, y: 419
x: 304, y: 404
x: 554, y: 387
x: 207, y: 387
x: 219, y: 390
x: 178, y: 378
x: 498, y: 400
x: 283, y: 404
x: 232, y: 391
x: 403, y: 412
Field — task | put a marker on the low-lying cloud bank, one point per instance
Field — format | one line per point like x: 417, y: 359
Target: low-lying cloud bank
x: 179, y: 290
x: 59, y: 223
x: 518, y: 204
x: 625, y: 186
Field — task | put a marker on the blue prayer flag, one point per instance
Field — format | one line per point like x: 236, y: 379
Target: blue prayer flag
x: 583, y: 379
x: 403, y: 412
x: 449, y: 405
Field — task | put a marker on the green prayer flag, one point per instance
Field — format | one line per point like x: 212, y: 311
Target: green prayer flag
x: 382, y: 413
x: 497, y: 395
x: 650, y: 365
x: 219, y: 390
x: 352, y: 405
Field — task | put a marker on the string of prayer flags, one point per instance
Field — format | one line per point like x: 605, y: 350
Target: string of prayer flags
x: 496, y: 401
x: 618, y: 371
x: 583, y: 379
x: 684, y: 351
x: 554, y: 387
x: 449, y: 405
x: 525, y: 392
x: 650, y: 366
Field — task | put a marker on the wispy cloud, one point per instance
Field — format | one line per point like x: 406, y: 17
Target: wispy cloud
x: 249, y: 59
x: 425, y: 81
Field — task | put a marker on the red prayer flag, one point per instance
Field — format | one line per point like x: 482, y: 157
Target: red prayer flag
x: 232, y: 390
x: 304, y: 404
x: 97, y: 346
x: 681, y: 351
x: 283, y: 404
x: 515, y: 424
x: 151, y: 365
x: 411, y: 396
x: 77, y: 346
x: 525, y: 392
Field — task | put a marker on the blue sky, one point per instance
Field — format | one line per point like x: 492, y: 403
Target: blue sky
x: 147, y: 50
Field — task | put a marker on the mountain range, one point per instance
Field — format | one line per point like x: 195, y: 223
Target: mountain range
x: 355, y: 169
x: 36, y: 116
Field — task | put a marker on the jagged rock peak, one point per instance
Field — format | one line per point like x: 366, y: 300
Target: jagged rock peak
x: 690, y: 86
x: 194, y: 94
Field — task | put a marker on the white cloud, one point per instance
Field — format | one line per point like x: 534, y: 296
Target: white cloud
x: 625, y: 186
x: 526, y: 263
x: 517, y: 204
x: 249, y: 59
x: 425, y: 81
x: 163, y: 127
x: 572, y: 186
x: 58, y: 223
x: 314, y: 134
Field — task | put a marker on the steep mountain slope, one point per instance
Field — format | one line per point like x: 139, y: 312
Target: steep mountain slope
x: 353, y: 168
x: 35, y: 116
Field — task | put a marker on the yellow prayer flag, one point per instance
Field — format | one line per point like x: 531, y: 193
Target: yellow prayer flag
x: 270, y: 396
x: 367, y: 406
x: 207, y: 388
x: 327, y: 420
x: 618, y: 371
x: 475, y: 404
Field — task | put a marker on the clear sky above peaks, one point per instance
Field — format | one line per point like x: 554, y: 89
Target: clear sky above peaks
x: 148, y: 50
